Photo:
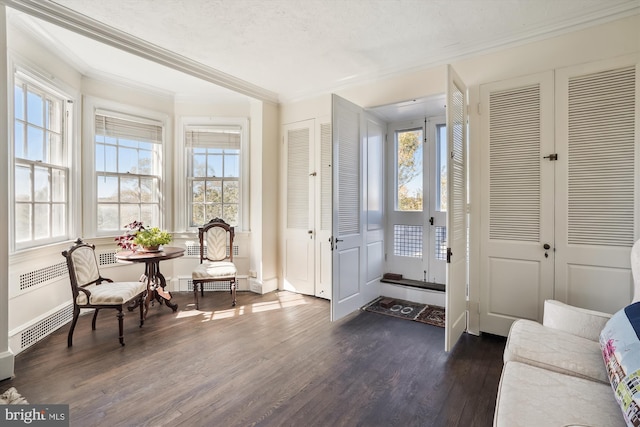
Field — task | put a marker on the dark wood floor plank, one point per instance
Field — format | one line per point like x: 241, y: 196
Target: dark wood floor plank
x: 273, y: 360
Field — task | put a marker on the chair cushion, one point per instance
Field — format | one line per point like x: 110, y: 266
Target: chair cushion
x: 529, y: 396
x: 85, y: 265
x: 216, y: 244
x: 620, y: 342
x: 214, y: 270
x: 111, y: 293
x: 532, y: 343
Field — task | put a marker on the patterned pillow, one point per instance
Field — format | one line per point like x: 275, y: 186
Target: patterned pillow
x: 620, y: 344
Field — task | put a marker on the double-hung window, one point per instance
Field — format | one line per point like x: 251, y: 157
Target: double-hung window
x: 40, y: 164
x: 213, y: 173
x: 128, y: 170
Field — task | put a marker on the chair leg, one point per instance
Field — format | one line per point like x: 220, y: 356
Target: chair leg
x: 95, y: 316
x: 121, y: 325
x: 233, y: 292
x: 76, y: 313
x: 195, y: 294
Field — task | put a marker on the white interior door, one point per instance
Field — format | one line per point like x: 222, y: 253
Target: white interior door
x: 517, y: 202
x: 597, y: 183
x: 456, y: 274
x: 299, y: 265
x: 348, y: 253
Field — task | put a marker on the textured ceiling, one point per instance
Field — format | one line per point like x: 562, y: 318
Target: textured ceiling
x: 301, y: 48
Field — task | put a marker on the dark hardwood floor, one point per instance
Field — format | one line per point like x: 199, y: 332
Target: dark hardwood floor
x: 273, y: 360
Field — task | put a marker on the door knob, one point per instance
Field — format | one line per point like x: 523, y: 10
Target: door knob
x: 546, y: 246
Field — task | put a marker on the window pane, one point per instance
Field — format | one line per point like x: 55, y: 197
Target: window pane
x: 35, y: 108
x: 231, y: 165
x: 23, y: 183
x: 100, y: 158
x: 18, y: 102
x: 231, y: 214
x: 23, y: 222
x: 148, y: 190
x: 214, y: 165
x: 145, y: 165
x: 41, y: 221
x: 35, y: 142
x: 54, y: 115
x: 110, y: 158
x: 231, y: 193
x: 107, y: 189
x: 199, y: 165
x: 55, y: 149
x: 127, y: 160
x: 213, y: 211
x: 197, y: 215
x: 129, y: 190
x: 18, y: 130
x: 214, y: 192
x: 441, y: 168
x: 409, y: 170
x: 58, y: 186
x: 130, y: 213
x: 197, y: 188
x: 108, y: 217
x: 41, y: 188
x: 58, y: 220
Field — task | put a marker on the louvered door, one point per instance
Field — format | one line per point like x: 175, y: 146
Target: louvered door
x: 298, y: 251
x: 597, y: 184
x: 456, y: 270
x: 323, y: 211
x: 517, y: 201
x: 348, y: 254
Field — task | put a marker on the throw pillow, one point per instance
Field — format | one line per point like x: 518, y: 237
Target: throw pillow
x: 620, y: 344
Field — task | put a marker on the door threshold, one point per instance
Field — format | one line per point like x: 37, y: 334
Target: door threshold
x: 415, y: 284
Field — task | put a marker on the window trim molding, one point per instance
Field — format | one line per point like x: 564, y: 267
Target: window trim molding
x: 180, y: 190
x: 91, y: 106
x: 32, y: 72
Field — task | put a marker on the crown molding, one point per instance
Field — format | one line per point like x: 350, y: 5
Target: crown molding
x: 81, y: 24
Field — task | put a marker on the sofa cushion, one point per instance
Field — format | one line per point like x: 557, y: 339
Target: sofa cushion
x: 620, y: 343
x: 532, y: 343
x: 529, y: 396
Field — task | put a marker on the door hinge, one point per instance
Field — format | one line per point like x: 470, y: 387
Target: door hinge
x: 431, y: 220
x: 551, y: 157
x: 449, y: 255
x: 479, y: 109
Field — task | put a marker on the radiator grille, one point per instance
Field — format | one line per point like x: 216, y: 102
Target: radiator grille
x: 35, y: 333
x: 209, y: 286
x: 42, y: 275
x: 107, y: 258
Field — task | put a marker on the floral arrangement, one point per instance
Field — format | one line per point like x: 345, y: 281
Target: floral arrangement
x: 138, y: 235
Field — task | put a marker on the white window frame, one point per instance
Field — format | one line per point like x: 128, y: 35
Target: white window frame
x: 92, y: 106
x: 37, y: 78
x: 182, y: 189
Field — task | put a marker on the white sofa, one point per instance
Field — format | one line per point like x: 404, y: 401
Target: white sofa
x: 554, y: 373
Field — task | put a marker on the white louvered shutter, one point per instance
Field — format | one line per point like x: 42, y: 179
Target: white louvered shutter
x: 325, y: 177
x: 514, y: 163
x: 601, y: 164
x: 349, y: 178
x: 298, y: 178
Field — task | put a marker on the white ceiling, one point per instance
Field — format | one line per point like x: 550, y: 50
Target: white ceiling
x: 298, y: 48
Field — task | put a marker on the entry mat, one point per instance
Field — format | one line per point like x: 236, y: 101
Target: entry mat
x: 430, y: 314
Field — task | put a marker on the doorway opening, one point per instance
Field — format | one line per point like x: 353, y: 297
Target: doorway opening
x: 416, y: 193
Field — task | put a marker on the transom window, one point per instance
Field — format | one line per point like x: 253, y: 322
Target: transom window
x: 128, y: 170
x: 213, y: 173
x: 41, y: 169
